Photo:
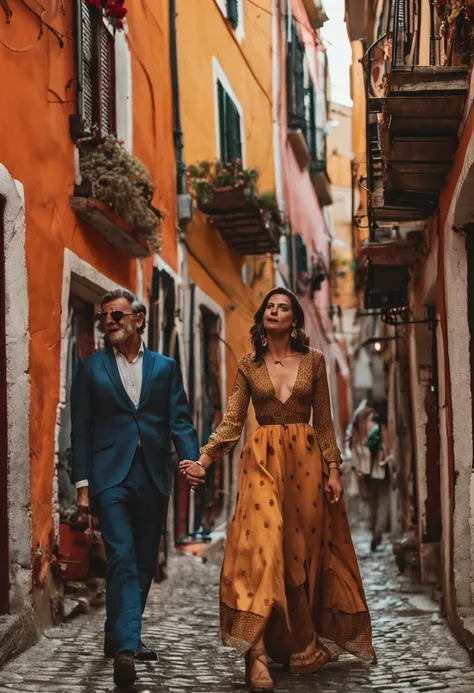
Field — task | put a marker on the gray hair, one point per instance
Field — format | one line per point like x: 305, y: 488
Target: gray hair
x: 136, y: 304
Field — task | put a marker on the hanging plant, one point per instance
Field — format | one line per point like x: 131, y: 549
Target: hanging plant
x: 114, y: 10
x: 457, y: 17
x: 120, y: 180
x: 318, y: 275
x: 268, y: 203
x: 208, y: 176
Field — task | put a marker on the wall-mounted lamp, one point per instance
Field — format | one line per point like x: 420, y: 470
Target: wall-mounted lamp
x: 377, y: 342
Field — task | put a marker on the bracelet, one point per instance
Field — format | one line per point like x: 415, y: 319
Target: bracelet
x: 333, y: 465
x: 201, y: 465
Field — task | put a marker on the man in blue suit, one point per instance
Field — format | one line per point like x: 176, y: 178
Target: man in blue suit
x: 127, y: 404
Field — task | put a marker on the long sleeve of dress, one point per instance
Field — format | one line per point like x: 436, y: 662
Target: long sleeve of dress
x: 322, y: 415
x: 228, y: 433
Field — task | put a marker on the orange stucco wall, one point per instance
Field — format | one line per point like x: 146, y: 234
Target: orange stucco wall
x: 247, y: 66
x: 36, y: 148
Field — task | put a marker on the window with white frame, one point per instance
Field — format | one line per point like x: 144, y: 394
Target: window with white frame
x: 233, y: 11
x: 230, y: 132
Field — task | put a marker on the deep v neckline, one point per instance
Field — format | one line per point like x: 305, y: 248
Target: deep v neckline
x: 294, y: 384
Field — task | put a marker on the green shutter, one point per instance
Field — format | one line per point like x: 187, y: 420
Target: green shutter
x: 85, y: 61
x: 295, y: 80
x: 221, y: 103
x: 311, y: 121
x: 230, y: 136
x: 301, y: 253
x: 233, y: 12
x: 299, y: 76
x: 234, y: 142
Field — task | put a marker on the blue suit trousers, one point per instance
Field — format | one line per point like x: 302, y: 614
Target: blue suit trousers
x: 131, y: 518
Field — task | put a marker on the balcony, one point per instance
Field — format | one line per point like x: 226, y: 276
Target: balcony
x: 397, y: 251
x: 421, y: 115
x: 249, y: 222
x: 241, y: 223
x: 316, y: 14
x: 115, y: 230
x: 321, y: 181
x: 413, y: 118
x: 114, y: 197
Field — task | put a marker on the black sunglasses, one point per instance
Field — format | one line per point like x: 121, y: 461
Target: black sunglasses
x: 116, y: 315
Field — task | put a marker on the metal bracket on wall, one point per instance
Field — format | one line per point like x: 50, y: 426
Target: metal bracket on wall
x: 405, y: 316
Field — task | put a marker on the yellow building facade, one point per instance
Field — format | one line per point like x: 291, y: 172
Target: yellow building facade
x: 224, y: 62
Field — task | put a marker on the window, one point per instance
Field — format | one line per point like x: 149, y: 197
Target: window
x: 295, y: 78
x: 95, y: 70
x: 233, y: 12
x: 230, y: 137
x: 310, y: 109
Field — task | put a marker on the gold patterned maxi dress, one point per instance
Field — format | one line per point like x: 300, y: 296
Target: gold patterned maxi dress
x: 290, y: 570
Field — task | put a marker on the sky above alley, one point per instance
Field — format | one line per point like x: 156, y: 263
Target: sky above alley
x: 339, y: 51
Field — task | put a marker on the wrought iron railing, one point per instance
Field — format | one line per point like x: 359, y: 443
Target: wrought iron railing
x: 405, y: 28
x: 371, y: 134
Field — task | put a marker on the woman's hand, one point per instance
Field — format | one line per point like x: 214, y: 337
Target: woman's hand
x: 194, y: 474
x: 333, y: 488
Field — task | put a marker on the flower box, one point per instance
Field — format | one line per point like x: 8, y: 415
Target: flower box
x: 115, y: 196
x: 115, y: 230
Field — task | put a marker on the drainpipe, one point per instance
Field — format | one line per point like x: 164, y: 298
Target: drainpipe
x: 353, y: 175
x: 177, y: 132
x: 276, y: 60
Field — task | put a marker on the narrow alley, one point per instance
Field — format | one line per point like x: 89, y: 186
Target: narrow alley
x: 415, y: 648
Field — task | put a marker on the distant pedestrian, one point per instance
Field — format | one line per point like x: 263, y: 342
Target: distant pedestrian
x: 127, y: 402
x: 378, y: 481
x: 290, y: 575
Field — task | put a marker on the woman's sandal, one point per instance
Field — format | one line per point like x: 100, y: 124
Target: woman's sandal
x: 261, y: 682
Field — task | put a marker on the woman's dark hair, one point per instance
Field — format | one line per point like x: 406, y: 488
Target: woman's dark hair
x: 299, y: 343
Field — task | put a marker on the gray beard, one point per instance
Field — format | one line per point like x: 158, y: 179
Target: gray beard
x: 118, y: 338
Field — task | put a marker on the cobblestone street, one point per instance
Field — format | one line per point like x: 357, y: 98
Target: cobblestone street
x: 416, y: 651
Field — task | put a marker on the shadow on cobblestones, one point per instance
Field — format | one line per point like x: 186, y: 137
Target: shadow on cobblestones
x: 415, y: 649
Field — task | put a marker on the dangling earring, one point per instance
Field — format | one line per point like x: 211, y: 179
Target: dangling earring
x: 294, y: 332
x: 263, y: 337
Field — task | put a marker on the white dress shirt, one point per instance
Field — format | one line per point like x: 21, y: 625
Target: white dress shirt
x: 131, y: 374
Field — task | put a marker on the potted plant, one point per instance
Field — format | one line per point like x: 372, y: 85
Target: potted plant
x: 457, y: 17
x: 206, y: 177
x: 115, y: 177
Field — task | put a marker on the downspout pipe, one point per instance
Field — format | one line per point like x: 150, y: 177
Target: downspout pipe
x: 177, y: 131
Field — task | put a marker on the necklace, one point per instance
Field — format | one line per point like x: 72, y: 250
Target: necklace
x: 280, y: 361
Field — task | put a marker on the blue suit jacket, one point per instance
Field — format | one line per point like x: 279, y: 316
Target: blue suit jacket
x: 106, y: 425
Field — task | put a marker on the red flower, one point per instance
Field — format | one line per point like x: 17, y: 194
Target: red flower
x: 115, y: 10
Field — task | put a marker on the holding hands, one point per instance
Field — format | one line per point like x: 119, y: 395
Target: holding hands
x: 193, y: 472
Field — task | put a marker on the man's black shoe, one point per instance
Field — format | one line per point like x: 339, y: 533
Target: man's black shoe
x: 124, y: 670
x: 374, y: 544
x: 144, y: 654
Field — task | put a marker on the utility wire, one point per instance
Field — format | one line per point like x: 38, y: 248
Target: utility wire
x: 244, y: 310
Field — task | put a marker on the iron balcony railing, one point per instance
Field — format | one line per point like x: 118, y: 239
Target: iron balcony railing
x: 405, y: 28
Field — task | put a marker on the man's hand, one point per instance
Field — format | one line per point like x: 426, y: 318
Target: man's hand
x: 194, y: 474
x: 83, y: 499
x: 333, y: 488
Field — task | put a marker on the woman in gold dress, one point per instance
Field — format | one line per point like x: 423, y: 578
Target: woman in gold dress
x: 290, y: 583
